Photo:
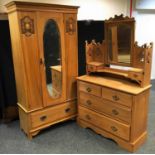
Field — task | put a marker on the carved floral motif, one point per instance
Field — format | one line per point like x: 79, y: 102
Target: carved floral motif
x: 27, y: 26
x: 70, y: 26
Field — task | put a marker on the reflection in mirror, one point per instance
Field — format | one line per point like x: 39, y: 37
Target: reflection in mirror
x: 124, y: 43
x: 52, y: 56
x: 119, y: 43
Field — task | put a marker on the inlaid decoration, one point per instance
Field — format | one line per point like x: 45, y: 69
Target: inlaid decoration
x: 70, y: 26
x: 27, y: 26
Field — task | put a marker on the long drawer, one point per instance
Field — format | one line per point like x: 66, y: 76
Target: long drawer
x: 52, y: 114
x: 105, y: 106
x: 117, y: 96
x: 117, y: 128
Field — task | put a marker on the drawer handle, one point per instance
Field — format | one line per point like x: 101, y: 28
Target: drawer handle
x: 88, y: 89
x: 114, y: 129
x: 67, y: 110
x: 91, y: 68
x: 116, y: 98
x: 88, y: 102
x: 135, y: 75
x: 88, y: 117
x: 43, y: 118
x: 115, y: 112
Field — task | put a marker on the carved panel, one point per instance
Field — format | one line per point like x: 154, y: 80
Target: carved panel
x: 70, y: 26
x: 27, y: 26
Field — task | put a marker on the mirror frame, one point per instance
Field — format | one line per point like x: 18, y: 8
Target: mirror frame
x: 118, y: 20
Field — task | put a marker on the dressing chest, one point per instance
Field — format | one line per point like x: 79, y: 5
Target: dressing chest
x: 114, y: 108
x: 113, y: 97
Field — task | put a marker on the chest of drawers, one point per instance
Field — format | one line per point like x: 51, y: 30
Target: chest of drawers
x: 114, y: 108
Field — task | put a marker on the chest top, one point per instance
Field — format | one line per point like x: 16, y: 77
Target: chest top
x: 117, y: 84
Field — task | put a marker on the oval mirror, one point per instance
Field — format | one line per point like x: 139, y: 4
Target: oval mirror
x: 52, y: 56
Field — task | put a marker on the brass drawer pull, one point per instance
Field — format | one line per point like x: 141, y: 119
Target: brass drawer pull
x: 88, y: 89
x: 88, y: 102
x: 115, y: 97
x: 43, y: 118
x: 67, y: 110
x: 115, y: 112
x: 114, y: 129
x: 88, y: 117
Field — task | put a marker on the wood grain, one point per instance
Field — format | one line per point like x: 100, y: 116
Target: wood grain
x: 116, y: 84
x: 117, y: 128
x: 105, y: 107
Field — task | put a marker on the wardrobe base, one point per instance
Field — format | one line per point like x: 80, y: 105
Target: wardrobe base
x: 33, y: 122
x: 130, y: 146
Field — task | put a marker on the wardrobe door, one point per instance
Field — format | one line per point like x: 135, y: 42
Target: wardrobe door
x: 52, y: 57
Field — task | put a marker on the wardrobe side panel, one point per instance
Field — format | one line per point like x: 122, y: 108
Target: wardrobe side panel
x: 29, y: 42
x: 18, y: 60
x: 70, y: 21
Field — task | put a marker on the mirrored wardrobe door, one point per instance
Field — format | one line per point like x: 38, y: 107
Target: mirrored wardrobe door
x: 52, y: 57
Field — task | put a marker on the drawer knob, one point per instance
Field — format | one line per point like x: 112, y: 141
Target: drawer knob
x: 88, y: 117
x: 88, y: 89
x: 115, y: 97
x: 67, y: 110
x: 88, y: 102
x: 43, y: 118
x: 115, y: 112
x: 114, y: 129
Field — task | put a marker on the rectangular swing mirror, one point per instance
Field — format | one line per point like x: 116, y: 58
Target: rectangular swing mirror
x: 119, y: 36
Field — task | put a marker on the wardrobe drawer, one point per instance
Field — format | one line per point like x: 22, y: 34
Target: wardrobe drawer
x: 105, y: 106
x: 90, y: 88
x: 52, y: 114
x: 117, y: 96
x: 117, y: 128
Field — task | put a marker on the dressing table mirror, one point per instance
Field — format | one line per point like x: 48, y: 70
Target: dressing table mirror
x: 120, y: 38
x: 119, y: 54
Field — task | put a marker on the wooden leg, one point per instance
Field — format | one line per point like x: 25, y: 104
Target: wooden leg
x: 29, y: 136
x: 81, y: 124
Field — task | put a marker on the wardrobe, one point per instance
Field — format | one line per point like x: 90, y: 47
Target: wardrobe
x: 44, y: 44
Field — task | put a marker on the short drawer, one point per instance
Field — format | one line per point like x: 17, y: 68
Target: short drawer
x: 105, y: 106
x: 117, y: 128
x: 135, y: 76
x: 90, y: 88
x: 52, y: 114
x: 117, y: 96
